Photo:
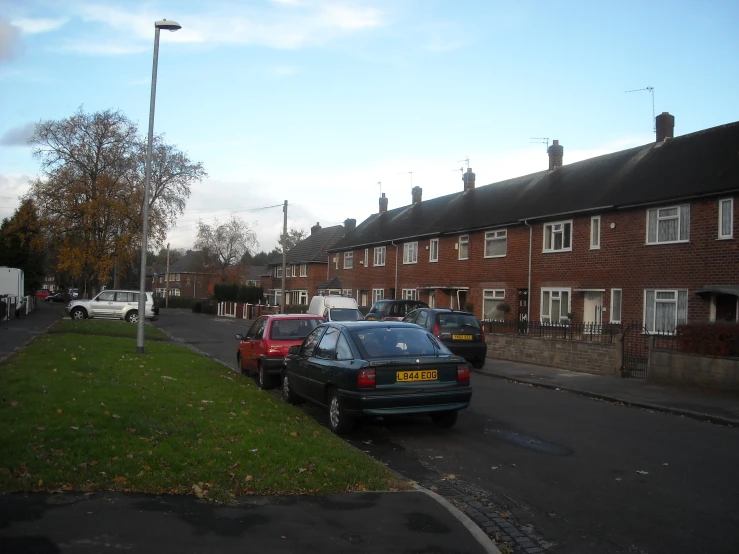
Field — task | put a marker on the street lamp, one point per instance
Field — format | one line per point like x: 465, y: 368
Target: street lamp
x: 158, y: 25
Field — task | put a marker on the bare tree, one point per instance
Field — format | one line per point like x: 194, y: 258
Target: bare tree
x: 225, y: 243
x: 294, y: 236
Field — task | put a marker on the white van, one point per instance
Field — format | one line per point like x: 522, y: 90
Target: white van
x: 335, y: 308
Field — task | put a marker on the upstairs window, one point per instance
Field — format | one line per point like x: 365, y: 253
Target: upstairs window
x: 410, y: 253
x: 434, y: 250
x: 348, y: 260
x: 464, y: 247
x: 379, y: 255
x: 726, y: 218
x: 558, y: 236
x: 496, y: 243
x: 366, y: 257
x: 278, y: 271
x: 666, y: 225
x: 595, y: 232
x: 304, y: 270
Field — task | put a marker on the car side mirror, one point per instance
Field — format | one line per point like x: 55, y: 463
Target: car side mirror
x: 239, y: 336
x: 295, y: 349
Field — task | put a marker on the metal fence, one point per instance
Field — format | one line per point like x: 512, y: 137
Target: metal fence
x: 606, y: 333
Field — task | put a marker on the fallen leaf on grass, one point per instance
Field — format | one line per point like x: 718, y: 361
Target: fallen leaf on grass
x: 75, y: 428
x: 116, y: 416
x: 58, y: 410
x: 293, y: 433
x: 248, y: 478
x: 302, y: 470
x: 168, y: 378
x: 41, y: 428
x: 199, y: 492
x: 448, y: 476
x: 120, y: 479
x: 147, y: 468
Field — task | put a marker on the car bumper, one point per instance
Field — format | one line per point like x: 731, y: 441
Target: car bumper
x: 474, y: 351
x: 381, y: 403
x: 273, y: 366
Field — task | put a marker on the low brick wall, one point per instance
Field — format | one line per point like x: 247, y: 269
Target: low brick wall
x: 584, y: 356
x: 676, y: 368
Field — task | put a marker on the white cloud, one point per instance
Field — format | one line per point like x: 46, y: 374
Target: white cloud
x: 13, y: 187
x: 9, y: 40
x: 34, y: 26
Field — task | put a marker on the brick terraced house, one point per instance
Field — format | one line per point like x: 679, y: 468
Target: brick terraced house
x: 646, y: 234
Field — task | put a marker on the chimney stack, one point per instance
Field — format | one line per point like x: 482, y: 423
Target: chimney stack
x: 468, y: 179
x: 665, y: 124
x: 350, y: 225
x: 315, y: 228
x: 383, y: 204
x: 416, y: 193
x: 555, y: 152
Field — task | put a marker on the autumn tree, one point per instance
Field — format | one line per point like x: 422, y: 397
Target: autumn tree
x: 91, y: 190
x: 22, y: 244
x: 225, y: 243
x: 293, y: 237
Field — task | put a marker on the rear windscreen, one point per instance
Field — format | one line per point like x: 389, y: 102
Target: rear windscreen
x: 396, y: 342
x: 345, y: 314
x: 291, y: 329
x: 458, y: 320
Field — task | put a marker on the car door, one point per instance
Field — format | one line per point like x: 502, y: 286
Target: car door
x: 423, y: 319
x: 320, y: 365
x: 252, y: 344
x: 103, y: 304
x: 298, y: 367
x: 124, y: 301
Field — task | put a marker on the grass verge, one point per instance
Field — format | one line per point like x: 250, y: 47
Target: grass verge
x: 111, y: 328
x: 84, y: 412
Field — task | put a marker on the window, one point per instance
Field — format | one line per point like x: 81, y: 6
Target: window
x: 492, y: 304
x: 409, y: 294
x: 496, y: 243
x: 558, y: 236
x: 410, y: 253
x: 434, y: 250
x: 278, y: 271
x: 555, y: 304
x: 379, y: 255
x: 378, y: 294
x: 299, y: 297
x: 343, y: 350
x: 346, y: 292
x: 293, y: 271
x: 366, y: 257
x: 348, y: 260
x: 336, y: 260
x: 726, y: 218
x: 595, y: 232
x: 664, y: 310
x: 327, y: 346
x: 668, y: 224
x: 304, y: 270
x: 464, y: 247
x: 615, y: 305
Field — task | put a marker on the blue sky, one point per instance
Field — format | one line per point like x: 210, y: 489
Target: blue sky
x: 316, y: 101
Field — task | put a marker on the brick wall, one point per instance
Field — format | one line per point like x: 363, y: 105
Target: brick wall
x: 316, y: 275
x: 675, y: 368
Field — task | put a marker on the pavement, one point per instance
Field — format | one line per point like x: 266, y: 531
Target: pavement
x: 403, y: 522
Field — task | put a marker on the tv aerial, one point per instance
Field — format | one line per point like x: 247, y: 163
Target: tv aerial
x: 651, y: 90
x: 540, y: 140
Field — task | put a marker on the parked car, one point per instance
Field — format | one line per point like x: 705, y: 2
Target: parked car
x: 369, y: 368
x: 56, y: 297
x: 262, y: 350
x: 460, y: 332
x: 116, y: 304
x: 393, y: 310
x: 42, y: 293
x: 335, y: 308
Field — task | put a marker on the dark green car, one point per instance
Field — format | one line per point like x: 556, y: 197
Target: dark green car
x: 376, y: 368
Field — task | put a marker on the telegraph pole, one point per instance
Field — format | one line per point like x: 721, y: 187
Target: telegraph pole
x: 283, y: 299
x: 166, y: 292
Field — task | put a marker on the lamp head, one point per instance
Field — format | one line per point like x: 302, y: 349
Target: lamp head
x: 167, y: 25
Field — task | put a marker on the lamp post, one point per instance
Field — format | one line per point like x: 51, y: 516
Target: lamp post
x: 158, y: 25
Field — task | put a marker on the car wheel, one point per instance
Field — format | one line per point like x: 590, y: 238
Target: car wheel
x: 287, y: 392
x: 132, y: 316
x: 338, y: 421
x: 444, y: 420
x: 264, y: 379
x: 78, y: 313
x: 477, y: 364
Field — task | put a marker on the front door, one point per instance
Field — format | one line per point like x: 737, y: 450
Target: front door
x: 726, y: 307
x: 593, y: 310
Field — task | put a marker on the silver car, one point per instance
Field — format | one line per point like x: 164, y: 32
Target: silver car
x: 115, y: 304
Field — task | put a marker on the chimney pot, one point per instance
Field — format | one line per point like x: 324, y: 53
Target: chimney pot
x: 350, y: 224
x: 665, y: 124
x: 315, y: 228
x: 383, y: 204
x: 556, y: 152
x: 468, y: 179
x: 416, y: 193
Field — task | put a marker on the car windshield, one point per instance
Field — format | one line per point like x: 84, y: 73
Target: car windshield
x: 392, y: 342
x: 293, y: 329
x: 458, y: 320
x: 346, y: 314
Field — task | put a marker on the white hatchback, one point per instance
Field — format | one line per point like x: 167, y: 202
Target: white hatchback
x: 115, y: 304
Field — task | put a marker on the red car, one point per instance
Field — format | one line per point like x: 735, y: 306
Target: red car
x: 262, y: 351
x: 42, y: 293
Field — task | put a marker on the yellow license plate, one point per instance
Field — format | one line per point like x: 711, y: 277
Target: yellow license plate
x: 461, y: 337
x: 427, y: 375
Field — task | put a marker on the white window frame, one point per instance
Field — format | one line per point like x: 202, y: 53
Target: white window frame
x: 494, y: 295
x: 278, y: 271
x: 595, y: 232
x: 380, y: 255
x: 346, y: 292
x: 304, y: 270
x: 378, y: 294
x: 366, y: 257
x: 655, y: 212
x: 409, y: 294
x: 410, y: 252
x: 434, y: 250
x: 650, y: 325
x: 464, y: 243
x: 293, y: 270
x: 545, y: 315
x: 620, y: 305
x: 336, y: 260
x: 558, y: 227
x: 496, y: 236
x: 348, y: 260
x: 721, y: 234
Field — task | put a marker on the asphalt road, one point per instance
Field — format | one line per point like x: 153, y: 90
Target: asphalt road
x: 584, y: 476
